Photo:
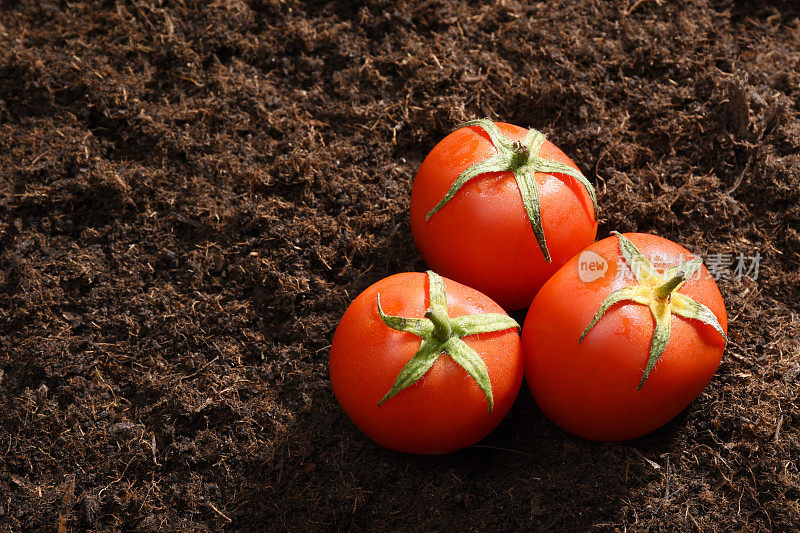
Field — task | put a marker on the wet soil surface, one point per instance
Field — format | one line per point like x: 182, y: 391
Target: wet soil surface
x: 193, y: 193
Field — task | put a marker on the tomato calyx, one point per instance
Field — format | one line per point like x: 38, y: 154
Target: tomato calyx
x: 442, y: 334
x: 660, y: 293
x: 522, y: 160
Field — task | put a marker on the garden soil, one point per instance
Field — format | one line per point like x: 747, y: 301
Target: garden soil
x: 192, y: 193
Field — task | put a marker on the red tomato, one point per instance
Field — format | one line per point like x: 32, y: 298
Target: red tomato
x: 445, y: 409
x: 599, y: 388
x: 483, y: 236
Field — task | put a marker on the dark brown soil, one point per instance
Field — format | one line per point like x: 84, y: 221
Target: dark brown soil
x: 191, y: 196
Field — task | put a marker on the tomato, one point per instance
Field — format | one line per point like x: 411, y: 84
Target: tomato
x: 499, y: 208
x: 615, y: 346
x: 425, y: 365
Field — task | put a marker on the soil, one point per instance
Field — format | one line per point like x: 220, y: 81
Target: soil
x: 192, y: 194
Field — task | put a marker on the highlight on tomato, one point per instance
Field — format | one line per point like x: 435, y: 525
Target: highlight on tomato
x: 500, y: 208
x: 422, y: 364
x: 614, y: 346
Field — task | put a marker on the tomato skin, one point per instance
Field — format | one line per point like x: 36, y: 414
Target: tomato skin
x: 445, y: 410
x: 590, y: 388
x: 483, y: 237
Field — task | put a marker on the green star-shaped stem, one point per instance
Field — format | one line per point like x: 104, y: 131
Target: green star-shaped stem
x: 523, y: 160
x: 660, y: 293
x: 442, y: 334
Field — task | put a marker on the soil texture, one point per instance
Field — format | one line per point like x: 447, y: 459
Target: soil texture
x: 191, y: 193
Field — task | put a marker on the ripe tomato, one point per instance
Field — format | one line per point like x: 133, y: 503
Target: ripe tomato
x: 616, y: 357
x: 499, y: 208
x: 433, y: 395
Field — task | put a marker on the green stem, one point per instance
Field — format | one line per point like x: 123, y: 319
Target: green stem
x: 663, y: 291
x: 442, y: 329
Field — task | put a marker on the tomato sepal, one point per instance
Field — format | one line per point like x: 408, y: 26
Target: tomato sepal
x: 418, y: 326
x: 485, y: 323
x: 470, y: 361
x: 684, y: 306
x: 416, y: 367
